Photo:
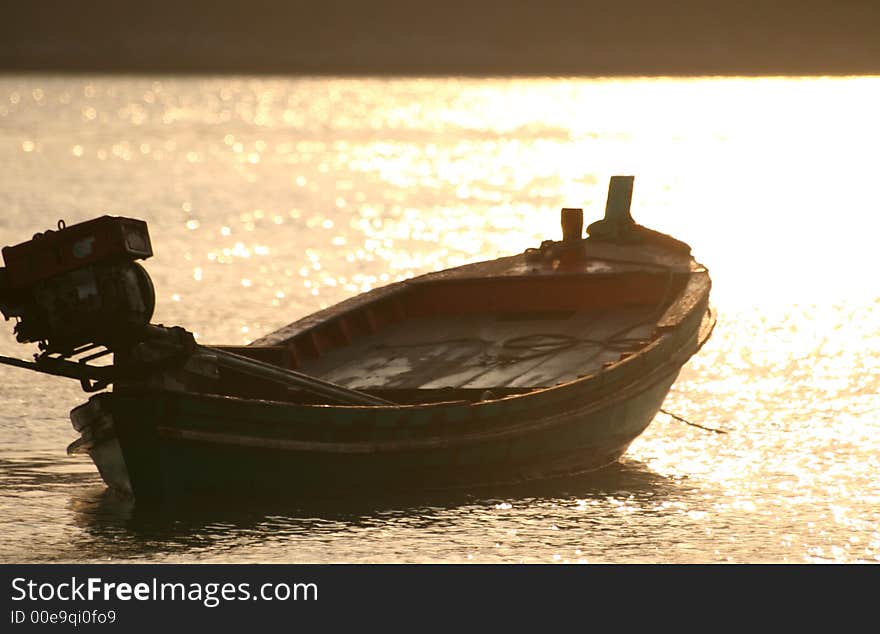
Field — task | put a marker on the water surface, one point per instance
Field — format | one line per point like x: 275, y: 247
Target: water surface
x: 270, y: 198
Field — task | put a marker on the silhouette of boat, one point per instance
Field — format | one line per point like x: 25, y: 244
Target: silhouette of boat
x: 541, y: 364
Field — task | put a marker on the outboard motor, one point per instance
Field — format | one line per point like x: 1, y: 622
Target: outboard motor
x: 79, y: 286
x: 79, y: 293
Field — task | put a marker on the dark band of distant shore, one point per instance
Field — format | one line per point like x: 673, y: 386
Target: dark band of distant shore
x: 451, y: 37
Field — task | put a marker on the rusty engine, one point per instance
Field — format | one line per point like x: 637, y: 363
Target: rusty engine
x: 79, y: 286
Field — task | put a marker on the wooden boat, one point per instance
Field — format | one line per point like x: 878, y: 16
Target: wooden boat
x: 541, y: 364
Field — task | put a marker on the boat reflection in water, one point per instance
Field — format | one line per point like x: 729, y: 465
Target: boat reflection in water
x: 275, y: 527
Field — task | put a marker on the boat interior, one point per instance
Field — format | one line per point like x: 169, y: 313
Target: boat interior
x: 475, y: 339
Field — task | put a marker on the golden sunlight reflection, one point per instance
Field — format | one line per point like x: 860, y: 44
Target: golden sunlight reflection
x: 270, y: 198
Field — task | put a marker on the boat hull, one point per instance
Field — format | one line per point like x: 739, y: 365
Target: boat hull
x: 171, y: 442
x: 156, y: 455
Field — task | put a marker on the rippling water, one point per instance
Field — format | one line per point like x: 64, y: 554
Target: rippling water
x: 270, y: 198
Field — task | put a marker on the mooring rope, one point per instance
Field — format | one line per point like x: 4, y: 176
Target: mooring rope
x: 687, y: 422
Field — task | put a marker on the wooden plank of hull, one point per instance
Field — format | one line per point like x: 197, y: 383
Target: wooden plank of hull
x: 175, y: 457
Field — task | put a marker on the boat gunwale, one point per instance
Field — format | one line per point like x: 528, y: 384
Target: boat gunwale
x: 281, y: 336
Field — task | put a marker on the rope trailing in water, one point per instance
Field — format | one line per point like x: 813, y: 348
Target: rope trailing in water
x: 687, y: 422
